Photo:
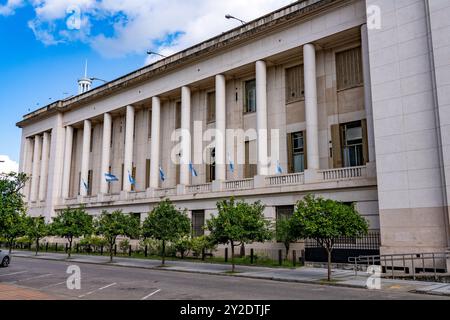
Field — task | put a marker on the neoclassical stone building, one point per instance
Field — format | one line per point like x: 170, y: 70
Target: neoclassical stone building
x: 316, y: 100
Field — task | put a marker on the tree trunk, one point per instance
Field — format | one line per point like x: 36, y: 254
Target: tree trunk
x: 232, y: 256
x: 287, y: 250
x: 163, y: 252
x: 10, y: 246
x: 329, y: 264
x: 37, y: 246
x: 111, y: 249
x: 70, y: 247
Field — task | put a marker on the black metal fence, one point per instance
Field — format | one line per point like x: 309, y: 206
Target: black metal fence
x: 344, y: 248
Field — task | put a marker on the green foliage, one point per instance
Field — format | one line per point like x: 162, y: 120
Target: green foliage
x: 287, y: 232
x: 237, y: 223
x: 36, y: 229
x: 167, y: 224
x: 124, y: 245
x: 198, y: 244
x: 72, y: 223
x: 183, y: 246
x: 12, y: 207
x: 326, y: 220
x: 112, y: 225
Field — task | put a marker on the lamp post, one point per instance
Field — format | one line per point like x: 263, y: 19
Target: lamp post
x: 229, y: 16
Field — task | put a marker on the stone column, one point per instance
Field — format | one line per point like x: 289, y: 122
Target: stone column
x: 312, y: 128
x: 367, y: 93
x: 44, y: 167
x: 85, y: 157
x: 261, y: 117
x: 154, y: 156
x: 36, y: 166
x: 221, y: 116
x: 67, y: 162
x: 185, y: 135
x: 106, y: 152
x: 129, y: 141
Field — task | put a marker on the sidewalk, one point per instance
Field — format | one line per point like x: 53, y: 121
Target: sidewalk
x: 345, y: 278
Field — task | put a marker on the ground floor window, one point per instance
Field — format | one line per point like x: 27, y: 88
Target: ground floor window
x: 198, y: 222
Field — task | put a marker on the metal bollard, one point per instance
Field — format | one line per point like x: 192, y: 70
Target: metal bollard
x: 226, y: 254
x: 203, y: 254
x: 129, y: 251
x: 56, y: 246
x: 251, y: 255
x: 46, y: 247
x: 115, y: 249
x: 280, y: 257
x: 101, y: 250
x: 146, y: 251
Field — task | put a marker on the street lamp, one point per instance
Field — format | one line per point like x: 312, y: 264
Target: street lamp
x: 158, y: 54
x: 229, y: 16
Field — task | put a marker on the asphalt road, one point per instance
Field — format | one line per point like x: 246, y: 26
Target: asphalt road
x: 99, y: 282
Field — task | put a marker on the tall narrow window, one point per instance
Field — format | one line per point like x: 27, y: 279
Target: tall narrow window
x: 296, y: 150
x: 284, y: 212
x: 250, y: 96
x: 251, y: 168
x: 133, y: 174
x: 147, y: 173
x: 177, y: 173
x: 352, y: 144
x: 198, y: 222
x: 121, y: 177
x: 89, y: 182
x: 112, y: 135
x: 178, y: 115
x: 211, y: 165
x: 349, y: 68
x: 92, y: 140
x: 211, y: 106
x: 109, y: 184
x: 295, y: 88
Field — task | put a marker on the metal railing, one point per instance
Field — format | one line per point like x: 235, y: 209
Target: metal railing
x: 285, y: 179
x: 199, y: 188
x: 238, y: 184
x: 343, y: 173
x: 408, y: 263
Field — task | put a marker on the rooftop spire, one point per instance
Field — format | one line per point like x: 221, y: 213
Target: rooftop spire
x: 84, y: 84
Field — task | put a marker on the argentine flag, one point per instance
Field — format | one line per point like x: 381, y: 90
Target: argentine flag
x: 110, y: 177
x: 192, y: 169
x: 279, y: 169
x: 230, y: 163
x: 162, y: 176
x: 131, y: 179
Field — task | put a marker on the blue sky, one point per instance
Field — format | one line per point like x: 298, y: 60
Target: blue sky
x: 43, y: 50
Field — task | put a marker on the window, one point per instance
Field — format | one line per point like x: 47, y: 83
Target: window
x: 133, y: 174
x: 296, y: 150
x: 112, y: 135
x: 109, y: 184
x: 295, y: 88
x: 250, y: 96
x: 177, y: 173
x: 211, y: 165
x: 121, y: 177
x: 149, y: 124
x: 251, y: 168
x: 92, y: 140
x: 211, y: 106
x: 284, y: 212
x: 198, y: 222
x: 178, y: 115
x: 352, y: 144
x: 89, y: 183
x: 147, y: 173
x: 349, y: 68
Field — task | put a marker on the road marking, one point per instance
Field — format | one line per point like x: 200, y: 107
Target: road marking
x: 32, y: 278
x: 96, y: 290
x: 53, y: 285
x: 10, y: 274
x: 148, y: 296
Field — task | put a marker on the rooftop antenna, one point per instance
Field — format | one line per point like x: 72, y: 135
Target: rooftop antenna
x: 85, y: 83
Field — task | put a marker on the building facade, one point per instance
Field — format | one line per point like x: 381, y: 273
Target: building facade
x: 347, y: 99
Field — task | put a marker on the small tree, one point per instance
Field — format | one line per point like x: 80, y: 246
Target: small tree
x: 326, y: 220
x: 12, y: 207
x: 287, y: 232
x: 237, y: 223
x: 166, y: 224
x: 72, y: 223
x: 14, y: 228
x: 110, y: 226
x: 36, y: 229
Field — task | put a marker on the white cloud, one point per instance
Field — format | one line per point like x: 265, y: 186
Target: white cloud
x: 10, y: 6
x: 7, y: 165
x: 116, y: 28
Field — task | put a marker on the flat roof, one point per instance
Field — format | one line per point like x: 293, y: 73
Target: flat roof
x: 242, y: 33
